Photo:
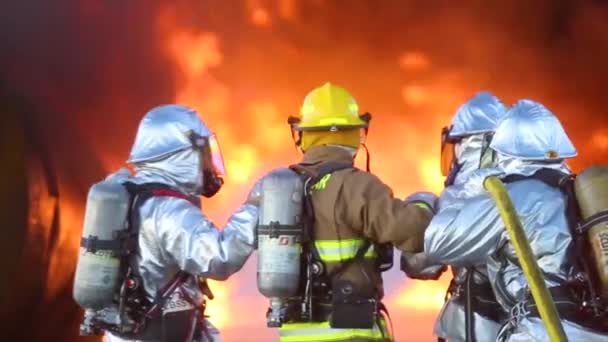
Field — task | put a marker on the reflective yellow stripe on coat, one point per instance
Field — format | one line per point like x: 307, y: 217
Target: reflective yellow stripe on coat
x: 341, y: 250
x: 322, y: 332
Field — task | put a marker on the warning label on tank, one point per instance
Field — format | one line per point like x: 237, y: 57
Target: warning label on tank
x: 97, y: 271
x: 602, y: 252
x: 278, y: 255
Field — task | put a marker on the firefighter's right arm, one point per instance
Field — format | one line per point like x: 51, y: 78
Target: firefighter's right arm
x: 199, y: 247
x: 368, y: 205
x: 464, y: 234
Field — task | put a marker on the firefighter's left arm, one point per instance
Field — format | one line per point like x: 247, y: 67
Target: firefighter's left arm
x: 199, y: 247
x: 367, y: 205
x: 465, y: 233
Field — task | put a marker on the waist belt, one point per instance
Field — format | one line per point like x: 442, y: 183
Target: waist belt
x: 483, y: 301
x: 569, y: 309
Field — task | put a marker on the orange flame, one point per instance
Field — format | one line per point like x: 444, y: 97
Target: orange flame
x: 260, y: 17
x: 424, y: 295
x: 221, y: 291
x: 196, y: 54
x: 414, y: 61
x: 600, y: 140
x: 416, y: 95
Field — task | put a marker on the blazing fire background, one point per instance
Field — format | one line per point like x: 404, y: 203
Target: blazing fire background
x: 76, y: 76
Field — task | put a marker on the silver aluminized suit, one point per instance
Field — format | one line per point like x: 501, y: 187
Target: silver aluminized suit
x: 451, y: 321
x: 174, y: 234
x: 472, y: 233
x: 473, y: 119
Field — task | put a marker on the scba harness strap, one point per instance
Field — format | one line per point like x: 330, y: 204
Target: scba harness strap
x: 125, y: 240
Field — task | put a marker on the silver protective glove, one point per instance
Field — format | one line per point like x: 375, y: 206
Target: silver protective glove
x: 424, y: 197
x: 417, y: 266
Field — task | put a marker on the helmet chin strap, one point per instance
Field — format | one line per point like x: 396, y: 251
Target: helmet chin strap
x: 296, y: 140
x: 367, y: 157
x: 451, y: 178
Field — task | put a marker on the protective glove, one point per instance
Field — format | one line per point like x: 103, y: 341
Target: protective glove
x: 428, y: 199
x: 417, y: 266
x: 255, y: 195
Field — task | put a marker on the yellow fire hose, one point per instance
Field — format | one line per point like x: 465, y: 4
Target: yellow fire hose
x: 540, y: 293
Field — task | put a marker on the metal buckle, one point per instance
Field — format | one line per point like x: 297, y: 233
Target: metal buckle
x: 518, y: 312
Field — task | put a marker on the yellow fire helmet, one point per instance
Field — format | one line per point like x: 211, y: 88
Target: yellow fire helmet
x: 329, y: 108
x: 330, y: 115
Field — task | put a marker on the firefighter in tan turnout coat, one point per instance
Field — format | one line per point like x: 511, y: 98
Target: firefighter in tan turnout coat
x: 356, y: 222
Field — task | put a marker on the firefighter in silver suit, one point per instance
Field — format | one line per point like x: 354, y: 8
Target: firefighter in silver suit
x: 174, y: 148
x: 529, y: 141
x: 465, y: 149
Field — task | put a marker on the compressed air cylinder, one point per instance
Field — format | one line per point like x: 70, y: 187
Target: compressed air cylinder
x: 98, y: 268
x: 279, y: 235
x: 591, y: 188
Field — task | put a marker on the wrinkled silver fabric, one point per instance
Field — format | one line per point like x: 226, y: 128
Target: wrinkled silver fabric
x: 473, y: 120
x: 451, y: 321
x: 163, y: 131
x: 510, y: 165
x: 473, y: 234
x: 174, y: 234
x: 451, y: 324
x: 468, y: 155
x: 479, y: 114
x: 530, y: 131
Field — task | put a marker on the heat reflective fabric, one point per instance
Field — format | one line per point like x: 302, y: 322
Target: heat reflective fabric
x: 473, y: 121
x: 451, y: 321
x: 475, y: 118
x: 474, y: 234
x: 163, y: 131
x: 530, y: 131
x: 174, y: 234
x: 468, y: 156
x: 480, y: 114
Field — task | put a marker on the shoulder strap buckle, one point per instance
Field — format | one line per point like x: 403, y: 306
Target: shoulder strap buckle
x: 585, y: 225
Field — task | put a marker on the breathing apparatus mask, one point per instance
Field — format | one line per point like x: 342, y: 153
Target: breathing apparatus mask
x: 451, y: 166
x: 212, y: 162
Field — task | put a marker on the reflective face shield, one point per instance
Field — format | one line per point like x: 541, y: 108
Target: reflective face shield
x: 212, y: 162
x: 448, y: 151
x: 217, y: 159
